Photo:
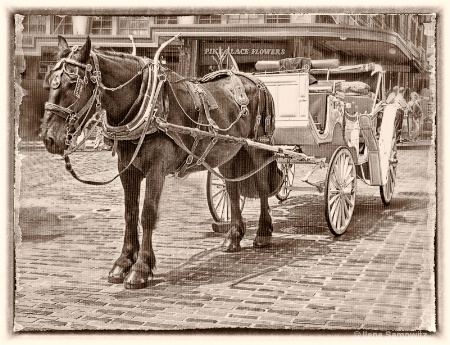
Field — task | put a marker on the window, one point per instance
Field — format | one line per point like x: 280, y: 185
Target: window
x: 325, y: 19
x: 136, y: 26
x: 378, y: 21
x: 34, y: 24
x: 413, y: 31
x: 363, y: 20
x: 353, y: 20
x: 213, y: 19
x: 47, y: 61
x: 278, y: 18
x: 341, y: 19
x: 166, y: 20
x: 395, y: 23
x: 244, y: 19
x: 101, y: 25
x: 62, y: 25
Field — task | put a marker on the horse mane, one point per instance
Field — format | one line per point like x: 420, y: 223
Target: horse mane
x: 105, y: 53
x: 116, y: 55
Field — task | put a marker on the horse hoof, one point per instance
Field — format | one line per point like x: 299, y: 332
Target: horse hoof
x: 262, y: 241
x: 135, y: 280
x: 230, y: 246
x: 117, y: 275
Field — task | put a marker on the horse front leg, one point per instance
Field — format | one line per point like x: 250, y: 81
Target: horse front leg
x: 131, y: 182
x: 142, y: 268
x: 237, y: 229
x: 265, y: 226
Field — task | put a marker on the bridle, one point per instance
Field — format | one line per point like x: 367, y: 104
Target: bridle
x: 77, y: 118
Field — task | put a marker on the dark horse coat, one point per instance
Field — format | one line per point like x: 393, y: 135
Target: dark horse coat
x: 114, y: 82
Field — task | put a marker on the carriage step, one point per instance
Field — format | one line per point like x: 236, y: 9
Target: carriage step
x: 221, y: 227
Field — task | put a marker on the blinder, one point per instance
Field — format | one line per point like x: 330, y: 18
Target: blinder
x: 56, y: 81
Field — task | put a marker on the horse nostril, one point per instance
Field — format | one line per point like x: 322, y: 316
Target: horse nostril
x: 49, y: 142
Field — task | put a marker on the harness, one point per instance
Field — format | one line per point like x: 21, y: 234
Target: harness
x: 139, y: 123
x: 69, y: 114
x: 145, y: 121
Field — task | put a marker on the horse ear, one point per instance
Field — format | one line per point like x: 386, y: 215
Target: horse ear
x: 85, y: 51
x: 62, y: 43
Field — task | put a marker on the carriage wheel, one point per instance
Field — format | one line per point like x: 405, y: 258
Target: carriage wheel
x: 387, y: 190
x: 218, y: 199
x: 340, y: 191
x: 288, y: 170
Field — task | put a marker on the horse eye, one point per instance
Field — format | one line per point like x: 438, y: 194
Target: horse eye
x: 56, y: 82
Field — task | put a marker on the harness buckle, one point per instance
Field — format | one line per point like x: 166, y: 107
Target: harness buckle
x: 162, y: 77
x: 72, y: 119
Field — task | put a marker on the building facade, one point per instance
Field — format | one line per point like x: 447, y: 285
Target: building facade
x: 396, y: 41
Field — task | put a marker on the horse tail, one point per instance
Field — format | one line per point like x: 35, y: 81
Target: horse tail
x: 265, y: 116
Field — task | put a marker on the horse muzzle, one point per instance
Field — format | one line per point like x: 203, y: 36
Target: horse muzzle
x: 54, y: 143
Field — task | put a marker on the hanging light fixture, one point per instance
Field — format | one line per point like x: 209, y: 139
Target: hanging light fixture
x: 392, y: 50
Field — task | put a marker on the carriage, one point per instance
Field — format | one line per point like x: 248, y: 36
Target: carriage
x: 331, y: 117
x: 160, y: 123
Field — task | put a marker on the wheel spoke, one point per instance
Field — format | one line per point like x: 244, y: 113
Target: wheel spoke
x: 336, y: 170
x: 392, y: 173
x: 333, y: 199
x: 345, y: 167
x: 223, y: 206
x: 349, y: 201
x: 220, y: 201
x: 338, y: 213
x: 350, y: 180
x: 333, y: 211
x: 342, y: 215
x: 348, y: 173
x: 217, y: 193
x: 333, y: 179
x: 343, y: 164
x: 345, y: 208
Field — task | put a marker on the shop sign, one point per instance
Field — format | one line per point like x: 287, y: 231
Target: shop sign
x: 45, y: 66
x: 245, y: 51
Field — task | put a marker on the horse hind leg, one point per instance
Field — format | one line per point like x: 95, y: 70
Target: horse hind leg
x: 237, y: 229
x: 131, y: 182
x: 265, y: 226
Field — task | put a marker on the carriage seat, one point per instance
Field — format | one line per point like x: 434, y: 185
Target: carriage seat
x: 360, y: 104
x: 353, y: 87
x: 318, y: 109
x: 321, y: 86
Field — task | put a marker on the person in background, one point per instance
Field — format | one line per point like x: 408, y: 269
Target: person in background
x: 99, y: 143
x: 391, y: 97
x: 401, y: 104
x: 414, y: 116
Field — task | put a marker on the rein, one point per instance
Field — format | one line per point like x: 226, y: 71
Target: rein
x: 140, y: 123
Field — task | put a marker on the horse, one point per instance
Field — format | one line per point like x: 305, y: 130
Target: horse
x: 114, y: 81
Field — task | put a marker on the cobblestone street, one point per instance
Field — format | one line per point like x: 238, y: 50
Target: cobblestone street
x: 379, y: 275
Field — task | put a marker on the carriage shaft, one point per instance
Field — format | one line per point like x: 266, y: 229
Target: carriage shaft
x: 279, y: 151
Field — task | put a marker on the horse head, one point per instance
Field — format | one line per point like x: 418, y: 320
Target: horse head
x: 70, y: 88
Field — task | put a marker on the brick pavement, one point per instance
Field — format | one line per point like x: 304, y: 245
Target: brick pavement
x: 379, y: 275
